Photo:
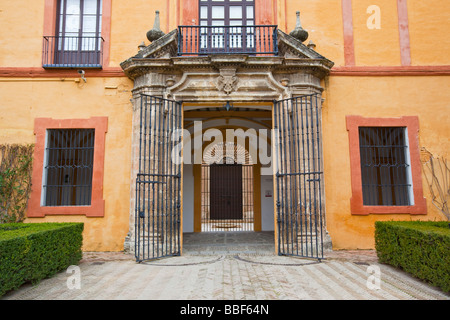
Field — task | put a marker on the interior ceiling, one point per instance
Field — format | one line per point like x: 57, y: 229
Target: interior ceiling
x: 222, y: 108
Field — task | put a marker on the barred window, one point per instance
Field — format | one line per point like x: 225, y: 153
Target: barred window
x: 69, y: 167
x: 385, y: 166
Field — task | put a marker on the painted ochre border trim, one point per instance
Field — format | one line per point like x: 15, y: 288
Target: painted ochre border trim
x: 371, y: 71
x: 366, y: 71
x: 97, y: 207
x: 403, y: 29
x: 356, y: 202
x: 349, y: 46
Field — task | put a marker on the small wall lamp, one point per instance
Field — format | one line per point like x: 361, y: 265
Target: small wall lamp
x: 228, y: 106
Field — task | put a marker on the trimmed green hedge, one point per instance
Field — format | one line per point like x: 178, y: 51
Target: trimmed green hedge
x: 30, y: 252
x: 421, y: 248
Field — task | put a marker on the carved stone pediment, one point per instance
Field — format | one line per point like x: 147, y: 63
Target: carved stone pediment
x: 158, y: 70
x: 164, y: 47
x: 290, y: 47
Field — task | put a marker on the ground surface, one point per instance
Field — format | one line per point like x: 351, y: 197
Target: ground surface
x: 226, y: 270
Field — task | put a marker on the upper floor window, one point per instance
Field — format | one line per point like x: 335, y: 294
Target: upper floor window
x: 77, y: 41
x: 226, y: 19
x: 227, y: 13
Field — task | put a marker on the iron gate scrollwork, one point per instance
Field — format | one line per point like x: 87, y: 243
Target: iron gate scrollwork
x: 158, y: 181
x: 299, y: 208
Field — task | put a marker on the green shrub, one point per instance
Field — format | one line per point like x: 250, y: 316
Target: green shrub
x: 34, y: 251
x: 421, y: 248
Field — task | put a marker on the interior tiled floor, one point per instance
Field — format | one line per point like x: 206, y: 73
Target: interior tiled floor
x: 228, y: 242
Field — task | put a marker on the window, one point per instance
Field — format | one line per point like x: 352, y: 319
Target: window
x: 68, y: 165
x: 385, y: 166
x: 79, y: 32
x: 227, y: 13
x: 77, y: 39
x: 68, y: 170
x: 226, y: 18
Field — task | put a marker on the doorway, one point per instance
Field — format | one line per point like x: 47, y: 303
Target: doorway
x: 227, y: 197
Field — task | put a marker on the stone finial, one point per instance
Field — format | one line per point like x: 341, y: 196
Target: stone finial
x: 311, y: 45
x: 299, y: 33
x: 156, y: 32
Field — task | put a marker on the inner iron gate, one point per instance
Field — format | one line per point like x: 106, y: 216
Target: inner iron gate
x: 299, y: 207
x: 158, y: 181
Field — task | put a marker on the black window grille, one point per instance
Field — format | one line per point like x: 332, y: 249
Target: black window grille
x: 69, y: 167
x: 385, y: 166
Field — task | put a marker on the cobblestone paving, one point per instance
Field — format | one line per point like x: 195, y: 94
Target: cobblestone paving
x: 245, y: 275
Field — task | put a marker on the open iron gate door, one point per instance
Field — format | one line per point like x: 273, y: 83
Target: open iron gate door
x: 297, y: 124
x: 158, y: 181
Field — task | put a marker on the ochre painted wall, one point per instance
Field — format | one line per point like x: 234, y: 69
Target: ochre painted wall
x: 21, y: 43
x: 428, y: 27
x: 24, y: 100
x: 322, y: 20
x: 387, y: 97
x: 58, y: 96
x: 21, y: 26
x: 376, y: 47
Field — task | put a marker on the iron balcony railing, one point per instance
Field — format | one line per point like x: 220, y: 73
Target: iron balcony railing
x: 72, y: 52
x: 205, y: 40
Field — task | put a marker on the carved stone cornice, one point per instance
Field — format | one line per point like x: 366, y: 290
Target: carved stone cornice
x: 223, y: 77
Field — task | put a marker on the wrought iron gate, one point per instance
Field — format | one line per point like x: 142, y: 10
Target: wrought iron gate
x: 158, y: 181
x: 297, y: 123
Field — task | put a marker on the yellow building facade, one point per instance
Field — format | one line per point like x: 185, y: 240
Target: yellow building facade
x: 372, y: 64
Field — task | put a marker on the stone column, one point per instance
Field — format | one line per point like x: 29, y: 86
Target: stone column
x: 150, y: 83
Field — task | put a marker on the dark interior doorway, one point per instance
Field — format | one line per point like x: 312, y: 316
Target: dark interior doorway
x: 226, y: 191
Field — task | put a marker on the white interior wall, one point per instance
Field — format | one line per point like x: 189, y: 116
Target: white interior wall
x: 267, y: 217
x: 267, y: 214
x: 188, y: 198
x: 267, y: 209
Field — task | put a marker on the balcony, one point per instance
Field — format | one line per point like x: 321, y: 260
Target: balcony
x: 72, y: 52
x: 207, y: 40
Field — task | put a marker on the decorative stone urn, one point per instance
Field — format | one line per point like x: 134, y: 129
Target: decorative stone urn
x: 156, y: 32
x: 299, y: 33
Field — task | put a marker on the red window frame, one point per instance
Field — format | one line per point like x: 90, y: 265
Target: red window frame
x: 356, y: 203
x: 97, y: 207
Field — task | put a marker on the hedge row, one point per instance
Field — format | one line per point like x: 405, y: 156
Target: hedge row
x: 34, y: 251
x: 421, y: 248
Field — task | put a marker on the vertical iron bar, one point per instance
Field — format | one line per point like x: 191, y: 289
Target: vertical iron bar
x: 315, y: 176
x: 285, y: 180
x: 291, y: 170
x: 305, y: 206
x: 276, y: 157
x: 309, y: 168
x: 296, y: 153
x: 319, y: 170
